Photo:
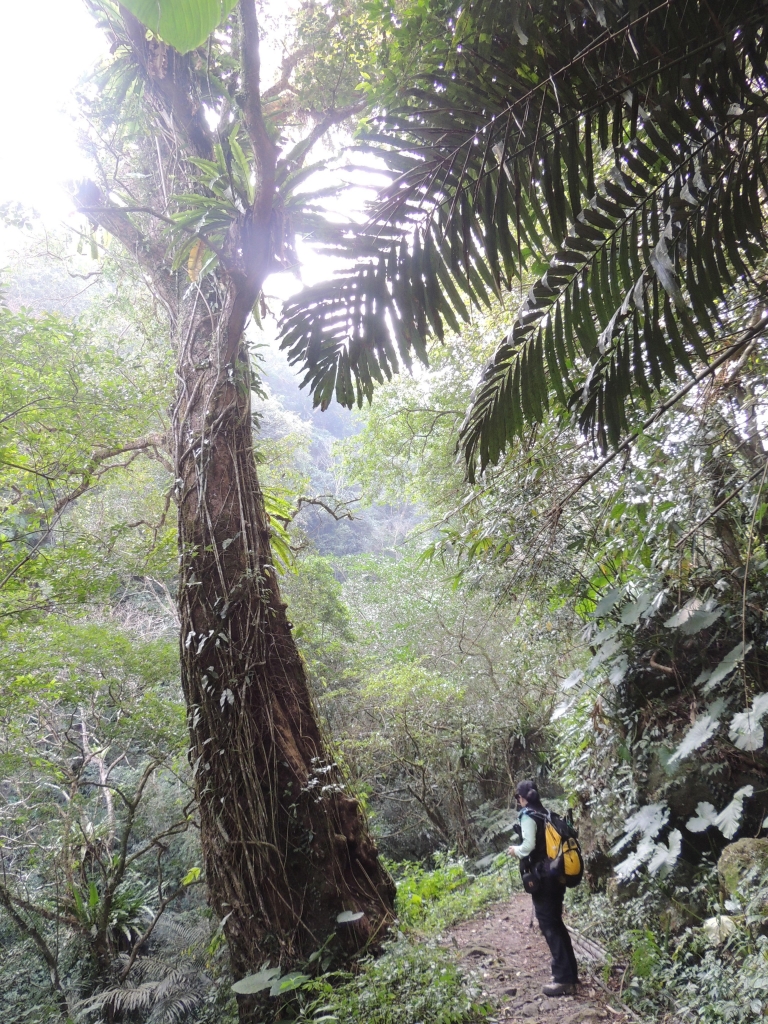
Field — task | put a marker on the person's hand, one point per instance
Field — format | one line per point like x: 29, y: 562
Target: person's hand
x: 512, y: 851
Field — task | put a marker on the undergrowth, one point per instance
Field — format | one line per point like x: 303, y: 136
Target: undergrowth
x: 431, y: 900
x: 409, y: 984
x: 415, y: 980
x: 682, y: 975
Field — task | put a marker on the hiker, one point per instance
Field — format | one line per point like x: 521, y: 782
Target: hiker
x: 547, y: 891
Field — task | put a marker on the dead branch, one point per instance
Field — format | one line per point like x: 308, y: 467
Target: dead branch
x: 339, y: 510
x: 660, y: 668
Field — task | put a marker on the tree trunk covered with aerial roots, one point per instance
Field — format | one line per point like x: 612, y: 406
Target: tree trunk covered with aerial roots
x: 286, y: 848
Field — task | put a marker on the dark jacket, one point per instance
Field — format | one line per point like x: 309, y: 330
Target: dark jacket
x: 539, y: 852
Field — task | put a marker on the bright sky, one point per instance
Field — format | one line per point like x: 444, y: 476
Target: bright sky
x: 47, y: 46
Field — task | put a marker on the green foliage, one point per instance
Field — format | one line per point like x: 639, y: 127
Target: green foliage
x: 438, y: 666
x: 95, y: 803
x: 432, y: 900
x: 319, y: 55
x: 172, y: 984
x: 343, y: 52
x: 450, y: 712
x: 415, y: 980
x: 77, y: 414
x: 322, y: 627
x: 417, y: 888
x: 668, y: 762
x: 646, y: 953
x: 689, y: 977
x: 184, y: 24
x: 518, y: 152
x: 413, y: 423
x: 21, y: 974
x: 713, y: 986
x: 408, y: 984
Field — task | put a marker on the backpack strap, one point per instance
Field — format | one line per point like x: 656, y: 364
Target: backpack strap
x: 540, y: 850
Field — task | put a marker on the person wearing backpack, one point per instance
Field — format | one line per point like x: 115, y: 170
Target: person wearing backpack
x: 545, y: 879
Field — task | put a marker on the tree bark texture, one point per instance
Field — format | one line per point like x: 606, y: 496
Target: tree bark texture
x: 285, y: 847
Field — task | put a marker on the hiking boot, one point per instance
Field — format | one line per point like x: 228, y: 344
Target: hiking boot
x: 556, y: 988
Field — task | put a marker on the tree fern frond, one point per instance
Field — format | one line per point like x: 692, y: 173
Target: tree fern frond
x: 125, y: 999
x: 651, y: 311
x: 183, y: 938
x: 610, y: 147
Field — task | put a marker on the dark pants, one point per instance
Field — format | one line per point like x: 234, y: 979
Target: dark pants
x: 548, y: 905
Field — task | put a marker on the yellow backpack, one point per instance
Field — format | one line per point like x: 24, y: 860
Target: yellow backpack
x: 563, y: 850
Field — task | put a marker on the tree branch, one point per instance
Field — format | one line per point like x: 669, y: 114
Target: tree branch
x: 332, y: 117
x: 289, y: 62
x: 100, y: 455
x: 91, y: 201
x: 97, y: 210
x: 33, y: 908
x: 150, y: 928
x: 28, y: 929
x: 89, y: 474
x: 170, y: 80
x: 722, y: 505
x: 264, y: 153
x: 339, y: 511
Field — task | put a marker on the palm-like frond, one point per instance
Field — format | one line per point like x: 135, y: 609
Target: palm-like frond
x: 614, y: 154
x: 169, y: 1000
x: 164, y: 988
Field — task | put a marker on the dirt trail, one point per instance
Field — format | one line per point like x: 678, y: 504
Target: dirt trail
x: 514, y: 962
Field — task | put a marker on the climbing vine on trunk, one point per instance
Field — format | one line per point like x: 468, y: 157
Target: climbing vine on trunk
x: 286, y: 847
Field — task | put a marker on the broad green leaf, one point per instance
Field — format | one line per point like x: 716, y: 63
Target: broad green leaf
x: 708, y: 680
x: 572, y: 680
x: 184, y: 24
x: 604, y: 634
x: 694, y: 616
x: 630, y: 613
x: 648, y: 821
x: 729, y: 819
x: 703, y: 729
x: 288, y: 983
x: 191, y: 876
x: 346, y: 916
x: 644, y: 852
x: 607, y: 650
x: 605, y: 604
x: 618, y: 670
x: 706, y: 815
x: 665, y: 856
x: 254, y: 983
x: 745, y: 730
x: 561, y: 710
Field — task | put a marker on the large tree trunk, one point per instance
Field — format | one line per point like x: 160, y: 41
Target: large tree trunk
x: 285, y: 847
